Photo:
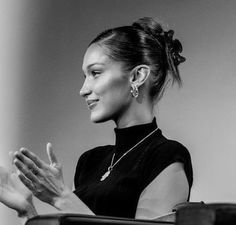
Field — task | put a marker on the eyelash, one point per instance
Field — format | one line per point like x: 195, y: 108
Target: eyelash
x: 95, y: 73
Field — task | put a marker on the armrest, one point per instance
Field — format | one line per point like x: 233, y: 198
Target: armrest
x: 80, y: 219
x: 206, y: 214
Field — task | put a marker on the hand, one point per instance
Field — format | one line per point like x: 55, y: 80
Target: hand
x: 13, y: 193
x: 44, y: 180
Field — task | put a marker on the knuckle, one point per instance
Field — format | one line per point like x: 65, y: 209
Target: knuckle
x: 27, y: 173
x: 30, y: 167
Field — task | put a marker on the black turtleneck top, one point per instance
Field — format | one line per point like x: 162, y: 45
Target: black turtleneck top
x: 119, y: 193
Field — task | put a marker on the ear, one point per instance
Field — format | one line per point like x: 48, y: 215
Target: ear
x: 139, y: 75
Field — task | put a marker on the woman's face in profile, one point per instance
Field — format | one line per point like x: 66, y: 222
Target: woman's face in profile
x: 106, y: 88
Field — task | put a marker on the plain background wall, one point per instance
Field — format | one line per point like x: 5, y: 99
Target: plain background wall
x: 41, y: 50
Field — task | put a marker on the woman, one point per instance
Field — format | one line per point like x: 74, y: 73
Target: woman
x: 144, y: 175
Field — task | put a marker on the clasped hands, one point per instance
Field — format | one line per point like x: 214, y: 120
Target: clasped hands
x: 45, y: 181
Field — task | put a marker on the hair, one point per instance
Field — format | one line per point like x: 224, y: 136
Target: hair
x: 145, y: 42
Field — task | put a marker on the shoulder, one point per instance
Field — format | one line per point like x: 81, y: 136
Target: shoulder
x: 94, y: 153
x: 162, y: 154
x: 162, y: 147
x: 175, y: 149
x: 166, y: 153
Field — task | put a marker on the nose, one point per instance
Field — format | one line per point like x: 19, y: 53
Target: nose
x: 86, y: 89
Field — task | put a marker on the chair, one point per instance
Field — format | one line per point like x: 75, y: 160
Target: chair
x: 185, y: 214
x: 79, y: 219
x: 206, y: 214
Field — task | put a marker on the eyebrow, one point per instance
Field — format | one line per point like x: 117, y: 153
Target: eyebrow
x: 89, y: 66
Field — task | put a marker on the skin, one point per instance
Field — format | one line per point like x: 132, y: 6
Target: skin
x: 106, y: 90
x: 109, y: 85
x: 167, y: 190
x: 14, y: 194
x: 12, y: 191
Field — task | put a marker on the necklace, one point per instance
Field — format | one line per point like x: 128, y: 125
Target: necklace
x: 109, y: 169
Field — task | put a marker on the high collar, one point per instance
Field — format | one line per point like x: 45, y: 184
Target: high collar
x: 127, y: 137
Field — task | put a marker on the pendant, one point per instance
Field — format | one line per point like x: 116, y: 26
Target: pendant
x: 105, y: 175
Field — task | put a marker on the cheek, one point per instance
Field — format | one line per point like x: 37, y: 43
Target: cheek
x: 114, y: 95
x: 110, y: 87
x: 116, y: 100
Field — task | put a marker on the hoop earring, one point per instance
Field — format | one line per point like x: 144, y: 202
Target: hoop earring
x: 134, y: 91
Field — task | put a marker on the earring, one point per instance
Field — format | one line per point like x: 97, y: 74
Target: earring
x: 134, y: 90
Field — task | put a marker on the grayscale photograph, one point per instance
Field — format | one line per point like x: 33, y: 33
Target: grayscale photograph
x: 117, y: 112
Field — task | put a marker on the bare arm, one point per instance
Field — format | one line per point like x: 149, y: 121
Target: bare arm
x: 15, y: 195
x: 169, y: 188
x: 46, y: 181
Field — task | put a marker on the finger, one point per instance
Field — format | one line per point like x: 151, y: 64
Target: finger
x: 28, y: 163
x: 51, y: 155
x: 11, y: 156
x: 24, y: 170
x: 38, y: 162
x: 26, y: 181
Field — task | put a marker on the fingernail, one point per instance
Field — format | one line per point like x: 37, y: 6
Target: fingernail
x: 49, y: 144
x: 17, y: 154
x: 23, y: 150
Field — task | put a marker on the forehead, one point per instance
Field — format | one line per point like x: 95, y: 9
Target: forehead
x: 95, y: 54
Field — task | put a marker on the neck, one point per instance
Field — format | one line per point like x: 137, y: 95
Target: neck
x: 128, y: 137
x: 136, y: 116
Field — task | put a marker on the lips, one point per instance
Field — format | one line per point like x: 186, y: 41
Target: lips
x: 92, y: 103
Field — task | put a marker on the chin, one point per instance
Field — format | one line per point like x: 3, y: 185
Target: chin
x: 96, y: 117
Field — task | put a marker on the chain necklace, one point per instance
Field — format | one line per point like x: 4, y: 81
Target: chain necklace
x: 109, y: 169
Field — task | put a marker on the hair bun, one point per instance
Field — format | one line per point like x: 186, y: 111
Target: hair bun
x: 148, y: 25
x: 174, y: 47
x: 163, y: 38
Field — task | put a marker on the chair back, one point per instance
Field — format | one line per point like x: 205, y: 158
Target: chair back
x: 206, y: 214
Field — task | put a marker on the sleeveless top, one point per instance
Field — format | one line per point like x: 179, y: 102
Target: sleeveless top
x: 119, y: 193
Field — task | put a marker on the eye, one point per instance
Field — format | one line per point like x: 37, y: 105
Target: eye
x: 95, y: 73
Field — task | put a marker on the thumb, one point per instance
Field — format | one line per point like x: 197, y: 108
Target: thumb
x: 11, y: 156
x: 52, y: 157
